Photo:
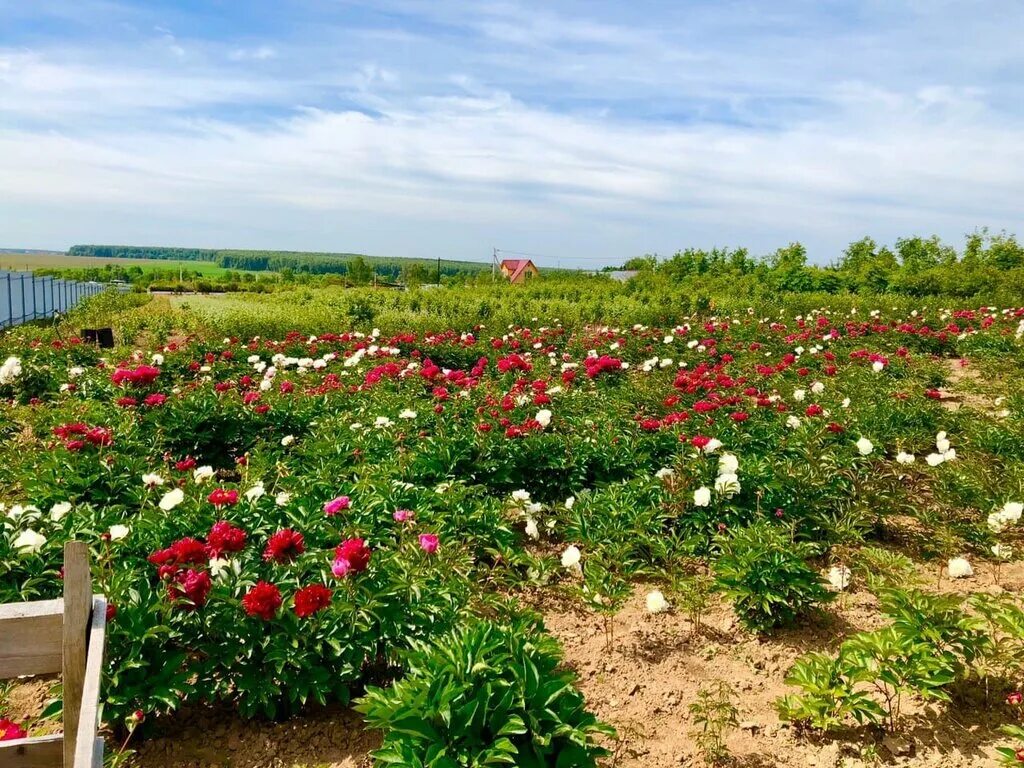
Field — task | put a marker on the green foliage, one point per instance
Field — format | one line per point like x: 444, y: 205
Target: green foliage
x: 766, y: 576
x: 931, y: 644
x: 714, y: 715
x: 485, y: 694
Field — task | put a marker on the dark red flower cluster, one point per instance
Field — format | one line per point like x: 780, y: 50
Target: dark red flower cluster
x: 351, y: 556
x: 262, y: 600
x: 77, y: 435
x: 224, y: 537
x: 140, y: 376
x: 604, y: 364
x: 189, y: 589
x: 284, y: 546
x: 221, y: 497
x: 514, y: 363
x: 311, y: 599
x: 186, y: 551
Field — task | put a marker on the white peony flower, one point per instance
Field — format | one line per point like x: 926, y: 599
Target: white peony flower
x: 905, y: 458
x: 255, y: 492
x: 10, y: 370
x: 656, y: 602
x: 702, y: 497
x: 569, y: 502
x: 287, y: 440
x: 817, y: 387
x: 172, y: 499
x: 220, y: 567
x: 531, y: 528
x: 728, y: 464
x: 58, y: 510
x: 959, y: 568
x: 543, y: 417
x: 202, y: 474
x: 712, y: 445
x: 877, y: 366
x: 792, y: 422
x: 1012, y: 511
x: 865, y: 446
x: 282, y: 498
x: 664, y: 472
x: 408, y: 413
x: 152, y: 480
x: 934, y: 459
x: 571, y: 557
x: 29, y: 542
x: 521, y: 495
x: 382, y: 421
x: 1002, y: 551
x: 118, y: 532
x: 727, y: 484
x: 839, y: 577
x: 799, y: 395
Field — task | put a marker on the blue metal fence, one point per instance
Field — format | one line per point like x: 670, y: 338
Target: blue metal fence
x: 25, y: 297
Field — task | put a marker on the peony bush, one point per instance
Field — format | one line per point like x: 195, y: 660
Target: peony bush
x: 279, y: 520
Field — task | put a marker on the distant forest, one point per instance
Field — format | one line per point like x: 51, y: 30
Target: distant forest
x: 359, y: 267
x: 987, y: 264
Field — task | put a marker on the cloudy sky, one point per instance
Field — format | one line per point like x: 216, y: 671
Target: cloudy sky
x: 586, y: 132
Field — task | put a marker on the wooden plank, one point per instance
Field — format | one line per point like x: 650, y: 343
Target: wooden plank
x: 77, y: 606
x: 85, y: 740
x: 36, y: 752
x: 30, y: 638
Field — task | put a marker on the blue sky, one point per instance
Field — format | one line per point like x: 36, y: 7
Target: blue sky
x: 587, y: 132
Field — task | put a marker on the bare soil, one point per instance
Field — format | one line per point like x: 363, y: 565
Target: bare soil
x: 643, y: 685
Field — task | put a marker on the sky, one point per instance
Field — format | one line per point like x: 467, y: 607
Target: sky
x: 582, y: 132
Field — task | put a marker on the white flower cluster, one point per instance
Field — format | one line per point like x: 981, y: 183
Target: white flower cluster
x: 10, y: 370
x: 727, y: 483
x: 943, y: 451
x: 1008, y: 515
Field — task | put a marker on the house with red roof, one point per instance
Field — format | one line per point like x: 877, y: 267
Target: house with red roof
x: 518, y: 270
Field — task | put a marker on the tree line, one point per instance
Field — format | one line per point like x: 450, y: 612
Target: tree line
x: 914, y: 266
x: 360, y: 267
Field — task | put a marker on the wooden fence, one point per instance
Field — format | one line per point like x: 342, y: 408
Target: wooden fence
x: 66, y: 636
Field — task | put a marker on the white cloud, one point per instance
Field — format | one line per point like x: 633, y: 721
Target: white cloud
x: 607, y: 134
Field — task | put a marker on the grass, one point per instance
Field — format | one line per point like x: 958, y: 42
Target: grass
x: 32, y: 261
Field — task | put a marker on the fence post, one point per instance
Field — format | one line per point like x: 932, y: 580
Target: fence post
x: 77, y: 609
x: 10, y: 301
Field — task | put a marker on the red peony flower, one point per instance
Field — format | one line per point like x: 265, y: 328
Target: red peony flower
x: 192, y: 586
x: 284, y: 546
x: 10, y: 730
x: 224, y: 537
x: 1015, y: 699
x: 182, y: 552
x: 429, y: 542
x: 262, y: 600
x: 223, y: 498
x: 336, y: 505
x: 311, y: 599
x: 185, y: 464
x: 351, y: 556
x: 155, y: 399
